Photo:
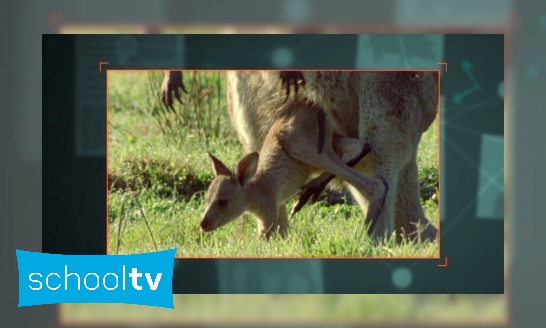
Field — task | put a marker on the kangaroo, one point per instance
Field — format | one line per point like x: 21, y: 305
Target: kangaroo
x: 263, y: 182
x: 388, y: 110
x: 173, y: 84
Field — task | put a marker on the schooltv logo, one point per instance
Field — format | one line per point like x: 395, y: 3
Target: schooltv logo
x: 143, y: 279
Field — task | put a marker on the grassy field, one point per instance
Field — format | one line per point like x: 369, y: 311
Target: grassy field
x: 159, y: 170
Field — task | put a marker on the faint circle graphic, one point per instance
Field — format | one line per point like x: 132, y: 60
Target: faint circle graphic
x: 296, y: 10
x: 297, y: 284
x: 282, y: 57
x: 401, y: 277
x: 501, y: 89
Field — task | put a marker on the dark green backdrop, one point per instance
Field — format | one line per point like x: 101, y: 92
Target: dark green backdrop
x: 472, y: 159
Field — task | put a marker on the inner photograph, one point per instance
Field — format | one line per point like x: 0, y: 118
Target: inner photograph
x: 274, y: 164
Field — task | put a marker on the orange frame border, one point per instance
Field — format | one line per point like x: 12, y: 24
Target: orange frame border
x: 438, y: 122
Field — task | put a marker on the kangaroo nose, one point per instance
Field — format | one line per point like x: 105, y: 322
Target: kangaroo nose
x: 204, y: 225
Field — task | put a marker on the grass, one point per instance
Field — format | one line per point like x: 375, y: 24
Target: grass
x: 159, y: 170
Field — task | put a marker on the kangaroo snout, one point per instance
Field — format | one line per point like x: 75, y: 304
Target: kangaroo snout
x: 206, y: 225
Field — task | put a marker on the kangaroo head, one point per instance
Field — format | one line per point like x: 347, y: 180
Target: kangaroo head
x: 226, y: 197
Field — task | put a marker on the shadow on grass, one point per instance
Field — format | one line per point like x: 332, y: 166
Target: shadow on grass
x: 168, y: 180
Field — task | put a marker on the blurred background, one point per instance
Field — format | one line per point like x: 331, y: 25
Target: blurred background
x: 294, y: 16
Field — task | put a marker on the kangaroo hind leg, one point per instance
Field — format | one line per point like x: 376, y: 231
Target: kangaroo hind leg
x: 315, y: 187
x: 298, y: 140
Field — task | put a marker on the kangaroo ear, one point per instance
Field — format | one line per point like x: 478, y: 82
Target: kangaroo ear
x: 247, y: 168
x: 218, y: 167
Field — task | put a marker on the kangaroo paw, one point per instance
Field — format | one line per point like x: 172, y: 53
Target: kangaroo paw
x: 172, y: 84
x: 289, y: 78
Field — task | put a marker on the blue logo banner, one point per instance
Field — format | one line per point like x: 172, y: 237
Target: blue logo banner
x: 143, y: 279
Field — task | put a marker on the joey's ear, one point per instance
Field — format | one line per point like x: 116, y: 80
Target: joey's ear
x: 247, y: 168
x: 218, y: 167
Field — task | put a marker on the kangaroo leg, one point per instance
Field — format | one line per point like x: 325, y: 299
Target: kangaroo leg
x: 385, y: 221
x: 271, y: 220
x: 409, y: 211
x: 373, y: 189
x: 267, y: 219
x: 282, y: 220
x: 316, y: 186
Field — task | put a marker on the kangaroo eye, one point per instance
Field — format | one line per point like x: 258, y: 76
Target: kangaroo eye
x: 222, y: 202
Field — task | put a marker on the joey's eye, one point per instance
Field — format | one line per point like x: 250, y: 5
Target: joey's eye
x: 222, y: 202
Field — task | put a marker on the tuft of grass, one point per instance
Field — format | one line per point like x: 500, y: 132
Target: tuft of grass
x: 166, y: 170
x: 203, y: 112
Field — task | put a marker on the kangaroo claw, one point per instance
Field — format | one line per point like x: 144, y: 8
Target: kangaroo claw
x: 171, y: 85
x: 291, y: 78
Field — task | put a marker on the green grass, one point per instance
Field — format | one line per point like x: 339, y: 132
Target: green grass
x: 158, y: 171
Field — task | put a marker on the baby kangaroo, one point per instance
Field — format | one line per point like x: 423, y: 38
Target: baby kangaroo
x: 263, y: 182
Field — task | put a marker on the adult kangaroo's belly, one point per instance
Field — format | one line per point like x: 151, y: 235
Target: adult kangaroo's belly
x: 255, y: 102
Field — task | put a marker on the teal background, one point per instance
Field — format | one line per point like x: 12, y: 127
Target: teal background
x: 472, y: 134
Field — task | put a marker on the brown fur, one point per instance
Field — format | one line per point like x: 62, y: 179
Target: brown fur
x: 389, y: 110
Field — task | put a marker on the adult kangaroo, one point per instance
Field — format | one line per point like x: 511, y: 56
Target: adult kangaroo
x: 387, y: 110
